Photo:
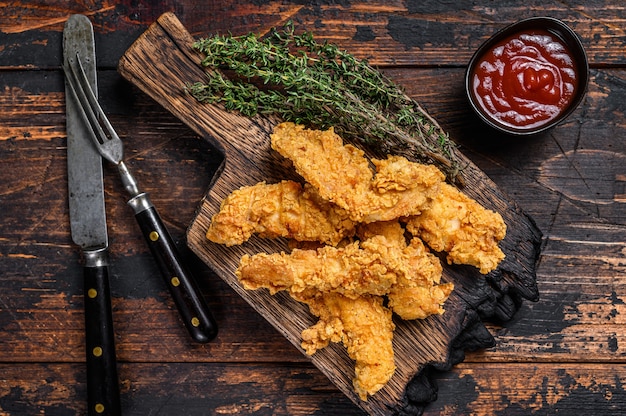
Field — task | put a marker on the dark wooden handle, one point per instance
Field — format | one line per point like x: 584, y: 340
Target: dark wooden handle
x: 103, y: 396
x: 190, y: 303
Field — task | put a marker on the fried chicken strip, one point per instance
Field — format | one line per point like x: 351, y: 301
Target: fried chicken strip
x: 352, y: 270
x: 345, y: 287
x: 341, y: 174
x: 365, y: 328
x: 461, y: 227
x: 284, y: 209
x: 417, y: 292
x: 381, y: 264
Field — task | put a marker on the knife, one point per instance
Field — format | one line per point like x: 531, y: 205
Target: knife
x: 89, y: 230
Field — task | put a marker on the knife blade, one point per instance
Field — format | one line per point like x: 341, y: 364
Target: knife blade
x: 89, y: 230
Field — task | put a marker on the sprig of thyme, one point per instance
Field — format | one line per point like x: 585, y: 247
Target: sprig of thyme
x: 317, y: 84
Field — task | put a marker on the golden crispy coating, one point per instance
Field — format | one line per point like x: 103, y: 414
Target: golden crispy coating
x: 342, y: 175
x: 391, y: 230
x: 345, y: 286
x: 461, y: 227
x: 285, y: 209
x: 365, y: 328
x: 351, y: 270
x: 352, y: 251
x: 417, y: 292
x: 380, y: 264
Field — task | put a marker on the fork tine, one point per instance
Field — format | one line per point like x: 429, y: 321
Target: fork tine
x: 93, y: 101
x: 79, y: 93
x: 108, y: 143
x: 80, y: 97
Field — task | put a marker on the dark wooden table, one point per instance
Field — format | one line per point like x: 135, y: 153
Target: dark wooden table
x: 565, y: 353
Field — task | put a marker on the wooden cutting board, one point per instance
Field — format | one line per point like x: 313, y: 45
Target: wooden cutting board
x: 161, y: 62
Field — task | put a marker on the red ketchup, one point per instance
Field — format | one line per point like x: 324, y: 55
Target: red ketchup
x: 526, y: 80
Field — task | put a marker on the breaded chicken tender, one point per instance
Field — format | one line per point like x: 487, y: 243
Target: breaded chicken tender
x: 417, y: 292
x: 351, y: 270
x: 461, y: 227
x: 353, y: 261
x: 380, y: 264
x: 365, y: 328
x: 285, y: 209
x: 341, y: 174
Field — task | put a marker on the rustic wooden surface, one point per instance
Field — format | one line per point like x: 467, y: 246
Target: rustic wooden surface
x: 562, y: 354
x: 160, y: 62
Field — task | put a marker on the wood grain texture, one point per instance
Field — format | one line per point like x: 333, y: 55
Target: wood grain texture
x: 172, y: 388
x: 436, y: 341
x: 579, y: 316
x: 388, y: 33
x: 563, y: 354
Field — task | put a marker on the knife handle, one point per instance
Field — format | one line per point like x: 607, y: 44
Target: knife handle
x: 103, y: 396
x: 190, y: 303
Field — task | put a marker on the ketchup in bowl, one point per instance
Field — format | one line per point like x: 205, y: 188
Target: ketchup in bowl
x: 527, y: 77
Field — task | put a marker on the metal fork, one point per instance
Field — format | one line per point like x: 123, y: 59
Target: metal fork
x: 195, y: 313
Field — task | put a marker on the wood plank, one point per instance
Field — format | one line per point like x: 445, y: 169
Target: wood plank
x: 389, y: 33
x: 200, y: 389
x: 249, y: 160
x: 531, y: 388
x: 171, y: 389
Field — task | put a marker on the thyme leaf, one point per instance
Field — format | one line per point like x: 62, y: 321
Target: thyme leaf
x: 298, y: 79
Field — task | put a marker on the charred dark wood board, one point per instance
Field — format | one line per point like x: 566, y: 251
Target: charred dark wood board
x: 161, y: 62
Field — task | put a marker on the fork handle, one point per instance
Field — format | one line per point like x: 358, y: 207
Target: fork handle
x: 190, y: 303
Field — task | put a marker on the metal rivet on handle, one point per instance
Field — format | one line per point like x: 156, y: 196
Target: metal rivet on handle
x: 154, y: 236
x: 97, y: 351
